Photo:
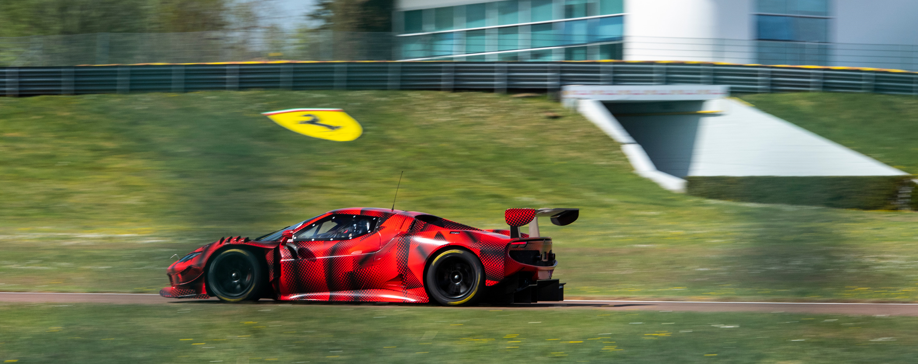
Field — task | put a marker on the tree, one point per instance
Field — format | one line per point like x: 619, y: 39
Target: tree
x: 58, y: 17
x: 352, y: 15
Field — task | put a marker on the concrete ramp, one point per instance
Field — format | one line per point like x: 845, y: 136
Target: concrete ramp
x: 673, y: 132
x: 743, y: 141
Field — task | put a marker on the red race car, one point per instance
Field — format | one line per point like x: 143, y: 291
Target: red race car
x: 378, y: 255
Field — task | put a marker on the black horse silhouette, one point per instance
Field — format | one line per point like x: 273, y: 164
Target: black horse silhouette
x: 314, y: 120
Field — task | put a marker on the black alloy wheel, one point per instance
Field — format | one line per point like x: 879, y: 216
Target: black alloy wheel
x: 455, y: 277
x: 236, y: 275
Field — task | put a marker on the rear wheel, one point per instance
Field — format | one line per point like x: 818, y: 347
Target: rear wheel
x: 236, y: 275
x: 455, y: 278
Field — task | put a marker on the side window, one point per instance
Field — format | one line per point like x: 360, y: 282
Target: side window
x: 338, y: 227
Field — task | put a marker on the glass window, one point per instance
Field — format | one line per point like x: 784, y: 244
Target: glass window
x: 337, y: 227
x: 607, y: 7
x: 475, y: 59
x: 811, y: 7
x: 772, y: 52
x: 543, y: 35
x: 414, y: 21
x: 775, y: 27
x: 796, y: 7
x: 443, y: 18
x: 793, y: 53
x: 575, y: 32
x: 575, y: 54
x: 508, y: 57
x: 476, y: 15
x: 772, y: 6
x: 541, y: 10
x: 443, y: 44
x: 541, y: 56
x: 475, y: 41
x: 611, y: 51
x: 507, y: 12
x: 575, y: 8
x: 606, y: 29
x: 414, y: 47
x: 508, y: 39
x: 812, y: 30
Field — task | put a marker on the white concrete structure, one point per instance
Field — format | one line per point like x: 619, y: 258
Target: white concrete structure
x: 705, y: 137
x: 854, y: 33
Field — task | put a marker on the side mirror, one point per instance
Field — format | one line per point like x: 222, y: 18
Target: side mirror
x: 286, y: 236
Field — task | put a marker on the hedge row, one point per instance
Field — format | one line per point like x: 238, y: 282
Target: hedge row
x: 867, y: 193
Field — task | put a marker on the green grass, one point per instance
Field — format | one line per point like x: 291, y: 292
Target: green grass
x: 196, y: 333
x: 97, y: 193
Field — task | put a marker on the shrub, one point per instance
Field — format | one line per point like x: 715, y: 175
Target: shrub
x: 867, y: 193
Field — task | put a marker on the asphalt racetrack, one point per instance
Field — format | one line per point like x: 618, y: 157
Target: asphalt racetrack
x: 888, y: 309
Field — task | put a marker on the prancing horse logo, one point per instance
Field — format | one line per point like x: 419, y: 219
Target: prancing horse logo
x: 314, y: 120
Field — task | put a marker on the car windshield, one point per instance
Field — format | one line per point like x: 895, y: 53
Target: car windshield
x: 272, y: 236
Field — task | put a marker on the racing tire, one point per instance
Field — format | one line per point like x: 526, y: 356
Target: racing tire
x: 236, y: 275
x: 455, y: 278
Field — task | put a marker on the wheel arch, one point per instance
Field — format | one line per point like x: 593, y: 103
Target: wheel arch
x: 433, y: 256
x: 260, y: 253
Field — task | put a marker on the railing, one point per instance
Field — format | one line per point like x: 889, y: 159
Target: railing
x: 244, y: 46
x: 448, y: 76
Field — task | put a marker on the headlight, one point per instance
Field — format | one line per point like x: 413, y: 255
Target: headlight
x: 189, y: 257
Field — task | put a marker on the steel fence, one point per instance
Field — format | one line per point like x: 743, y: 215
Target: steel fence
x: 448, y: 76
x: 243, y: 46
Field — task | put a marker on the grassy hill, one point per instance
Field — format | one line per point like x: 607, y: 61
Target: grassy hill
x: 880, y: 126
x: 97, y: 192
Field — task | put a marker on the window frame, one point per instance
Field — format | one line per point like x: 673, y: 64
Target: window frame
x: 795, y: 20
x: 322, y: 220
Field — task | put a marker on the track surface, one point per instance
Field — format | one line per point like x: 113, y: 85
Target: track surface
x: 891, y: 309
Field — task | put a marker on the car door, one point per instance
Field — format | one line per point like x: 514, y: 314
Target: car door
x: 329, y: 254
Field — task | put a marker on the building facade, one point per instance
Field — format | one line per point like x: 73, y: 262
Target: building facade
x: 856, y: 33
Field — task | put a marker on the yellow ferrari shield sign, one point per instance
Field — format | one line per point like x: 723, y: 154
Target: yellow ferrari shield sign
x: 330, y: 124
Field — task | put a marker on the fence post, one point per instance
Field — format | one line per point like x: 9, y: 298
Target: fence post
x: 178, y: 79
x: 765, y: 80
x: 12, y: 82
x: 816, y: 80
x: 395, y: 70
x: 341, y: 76
x: 868, y: 79
x: 606, y: 75
x: 659, y: 74
x: 232, y: 77
x: 124, y: 80
x: 286, y: 77
x: 500, y: 77
x: 707, y: 74
x: 67, y: 81
x: 554, y: 77
x: 448, y: 73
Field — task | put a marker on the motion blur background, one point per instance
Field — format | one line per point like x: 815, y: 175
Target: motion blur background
x: 110, y: 168
x: 848, y: 33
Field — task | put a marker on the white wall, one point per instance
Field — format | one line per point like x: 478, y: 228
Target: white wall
x: 715, y: 30
x: 876, y: 22
x: 875, y: 32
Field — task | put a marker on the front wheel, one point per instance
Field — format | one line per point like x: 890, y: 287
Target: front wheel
x: 455, y: 278
x: 236, y: 275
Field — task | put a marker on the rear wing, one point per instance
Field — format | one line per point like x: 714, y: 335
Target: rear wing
x: 519, y: 217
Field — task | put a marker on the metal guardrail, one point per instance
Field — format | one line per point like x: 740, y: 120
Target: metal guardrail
x: 447, y: 76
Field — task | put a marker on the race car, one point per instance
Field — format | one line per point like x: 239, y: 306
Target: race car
x: 379, y: 255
